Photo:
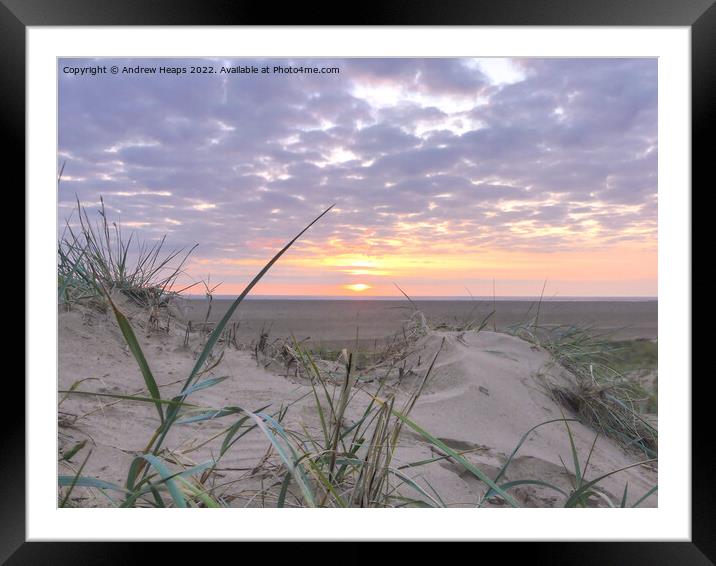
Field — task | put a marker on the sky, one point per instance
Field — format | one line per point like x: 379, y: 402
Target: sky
x: 446, y: 174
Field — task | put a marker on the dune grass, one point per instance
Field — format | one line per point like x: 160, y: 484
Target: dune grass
x: 96, y: 255
x: 601, y: 395
x: 343, y: 463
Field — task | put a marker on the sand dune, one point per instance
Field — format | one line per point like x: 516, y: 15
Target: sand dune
x: 486, y: 390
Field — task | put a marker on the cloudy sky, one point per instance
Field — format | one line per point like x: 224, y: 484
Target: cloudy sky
x: 445, y: 173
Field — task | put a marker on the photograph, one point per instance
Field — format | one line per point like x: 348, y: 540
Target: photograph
x: 393, y: 274
x: 357, y: 282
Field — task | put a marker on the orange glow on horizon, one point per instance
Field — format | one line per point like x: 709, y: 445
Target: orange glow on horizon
x: 442, y: 267
x: 358, y: 287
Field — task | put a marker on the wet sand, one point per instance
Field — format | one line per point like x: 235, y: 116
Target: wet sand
x: 336, y: 322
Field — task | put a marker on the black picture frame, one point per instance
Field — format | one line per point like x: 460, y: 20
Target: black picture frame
x: 699, y: 15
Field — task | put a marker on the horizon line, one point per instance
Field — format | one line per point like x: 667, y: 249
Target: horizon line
x: 432, y: 297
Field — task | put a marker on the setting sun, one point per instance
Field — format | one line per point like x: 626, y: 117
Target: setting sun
x: 358, y: 287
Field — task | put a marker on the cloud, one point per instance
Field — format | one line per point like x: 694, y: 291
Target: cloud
x: 524, y: 154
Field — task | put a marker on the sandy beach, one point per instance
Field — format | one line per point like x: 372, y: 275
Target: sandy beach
x: 486, y: 390
x: 337, y: 322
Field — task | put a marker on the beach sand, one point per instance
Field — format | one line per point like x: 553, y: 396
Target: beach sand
x: 486, y: 390
x: 336, y: 323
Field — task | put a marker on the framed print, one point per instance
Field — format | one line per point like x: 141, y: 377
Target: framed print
x: 289, y: 281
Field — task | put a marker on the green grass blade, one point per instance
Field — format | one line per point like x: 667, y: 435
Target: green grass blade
x: 74, y: 481
x: 575, y: 455
x: 216, y: 333
x: 284, y: 490
x: 136, y: 350
x: 624, y: 496
x: 72, y: 451
x: 83, y: 481
x: 521, y: 442
x: 206, y: 383
x: 210, y: 415
x: 229, y: 437
x: 288, y: 459
x: 128, y: 398
x: 645, y: 496
x: 158, y: 499
x: 589, y: 456
x: 445, y: 448
x: 166, y: 475
x: 200, y: 494
x: 580, y: 492
x: 219, y: 329
x: 408, y: 480
x: 325, y: 482
x: 419, y: 463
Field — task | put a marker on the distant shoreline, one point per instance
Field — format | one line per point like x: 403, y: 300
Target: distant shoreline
x: 220, y: 297
x: 336, y: 319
